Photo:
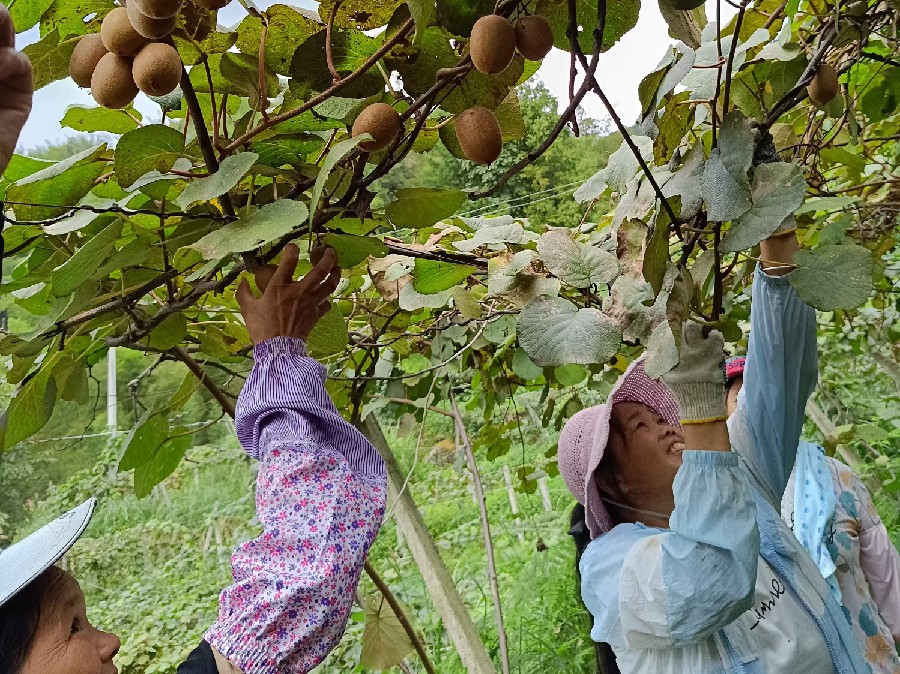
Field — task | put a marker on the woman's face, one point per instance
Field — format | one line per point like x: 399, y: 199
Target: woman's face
x: 647, y: 455
x: 65, y: 642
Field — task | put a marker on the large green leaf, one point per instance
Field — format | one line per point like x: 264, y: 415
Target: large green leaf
x: 338, y: 151
x: 241, y: 71
x: 351, y: 250
x: 418, y: 207
x: 231, y: 170
x: 359, y: 14
x: 86, y: 260
x: 144, y: 439
x: 577, y: 264
x: 57, y: 191
x: 458, y: 16
x: 50, y: 58
x: 287, y: 29
x: 149, y: 148
x: 32, y: 406
x: 384, y: 642
x: 486, y: 90
x: 621, y: 16
x: 553, y: 331
x: 163, y: 463
x: 349, y: 49
x: 726, y: 187
x: 777, y: 190
x: 169, y: 333
x: 92, y: 119
x: 330, y: 335
x: 833, y: 277
x: 26, y: 13
x: 434, y: 276
x: 269, y: 223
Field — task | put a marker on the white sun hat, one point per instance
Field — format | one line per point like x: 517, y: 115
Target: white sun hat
x: 27, y: 559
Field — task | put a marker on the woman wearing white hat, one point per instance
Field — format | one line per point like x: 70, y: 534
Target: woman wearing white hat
x: 690, y: 567
x: 320, y: 497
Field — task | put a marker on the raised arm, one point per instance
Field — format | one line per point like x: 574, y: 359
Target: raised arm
x: 780, y: 373
x: 648, y: 589
x: 320, y: 496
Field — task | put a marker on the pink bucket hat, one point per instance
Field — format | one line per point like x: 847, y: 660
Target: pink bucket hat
x: 584, y: 437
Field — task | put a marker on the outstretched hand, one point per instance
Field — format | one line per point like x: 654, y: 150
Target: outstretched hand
x: 16, y: 88
x: 289, y: 308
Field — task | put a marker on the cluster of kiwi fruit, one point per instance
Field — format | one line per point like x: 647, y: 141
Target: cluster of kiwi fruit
x: 126, y: 56
x: 492, y: 46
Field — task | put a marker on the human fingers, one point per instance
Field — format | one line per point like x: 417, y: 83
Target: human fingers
x: 284, y: 274
x: 7, y: 29
x: 244, y: 295
x: 315, y: 255
x: 263, y: 276
x: 319, y: 273
x: 323, y: 308
x: 15, y: 70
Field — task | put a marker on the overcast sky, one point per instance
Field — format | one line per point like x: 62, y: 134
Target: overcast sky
x: 620, y: 71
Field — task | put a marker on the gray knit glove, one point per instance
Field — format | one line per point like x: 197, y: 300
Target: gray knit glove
x: 698, y: 381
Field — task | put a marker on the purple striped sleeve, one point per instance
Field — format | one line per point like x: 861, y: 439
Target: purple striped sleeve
x: 320, y: 496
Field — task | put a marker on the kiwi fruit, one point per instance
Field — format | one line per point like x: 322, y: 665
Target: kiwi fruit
x: 380, y: 121
x: 824, y: 86
x: 534, y: 39
x: 479, y: 135
x: 87, y: 54
x: 493, y: 44
x: 157, y: 9
x: 152, y: 29
x: 157, y: 69
x: 119, y: 36
x: 111, y: 84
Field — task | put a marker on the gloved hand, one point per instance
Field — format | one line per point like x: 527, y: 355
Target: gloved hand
x: 698, y: 381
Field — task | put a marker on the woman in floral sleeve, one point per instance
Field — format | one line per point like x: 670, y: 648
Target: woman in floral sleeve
x: 320, y: 497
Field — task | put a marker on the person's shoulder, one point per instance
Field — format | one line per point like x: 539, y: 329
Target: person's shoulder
x: 619, y: 539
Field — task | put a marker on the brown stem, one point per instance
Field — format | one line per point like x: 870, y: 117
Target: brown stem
x: 325, y: 95
x: 329, y: 30
x: 463, y: 437
x: 261, y: 70
x: 401, y: 616
x: 212, y: 98
x: 220, y: 396
x: 170, y: 284
x: 773, y: 17
x: 734, y: 42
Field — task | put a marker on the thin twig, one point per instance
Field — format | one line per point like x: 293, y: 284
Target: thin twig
x: 221, y: 397
x: 329, y: 31
x: 401, y: 616
x: 731, y: 54
x: 463, y: 439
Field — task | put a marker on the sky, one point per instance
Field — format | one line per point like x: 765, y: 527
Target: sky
x: 620, y: 70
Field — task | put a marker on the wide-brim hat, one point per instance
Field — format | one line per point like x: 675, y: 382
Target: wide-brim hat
x: 583, y: 440
x: 27, y: 559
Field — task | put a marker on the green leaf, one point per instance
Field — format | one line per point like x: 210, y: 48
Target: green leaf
x: 32, y: 406
x: 148, y: 148
x: 338, y: 151
x: 777, y: 191
x: 423, y: 13
x: 63, y: 190
x: 569, y: 375
x: 329, y: 336
x: 487, y: 90
x: 169, y: 333
x: 414, y: 364
x: 825, y: 204
x: 434, y: 276
x: 287, y: 29
x: 50, y: 58
x: 349, y: 49
x: 621, y: 16
x: 524, y: 367
x: 92, y: 119
x: 458, y: 16
x: 241, y: 71
x: 726, y: 188
x: 231, y: 170
x: 352, y: 250
x: 495, y: 234
x: 26, y: 13
x: 833, y: 277
x: 144, y: 439
x: 553, y: 331
x: 466, y: 303
x: 163, y: 463
x: 384, y: 642
x: 359, y: 14
x: 356, y: 226
x: 575, y: 263
x: 418, y: 207
x: 269, y: 223
x: 86, y: 260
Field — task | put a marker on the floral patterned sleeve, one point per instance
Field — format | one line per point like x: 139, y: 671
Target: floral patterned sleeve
x: 320, y: 496
x: 878, y: 558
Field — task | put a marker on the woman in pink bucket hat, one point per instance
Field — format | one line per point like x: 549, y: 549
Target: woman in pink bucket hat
x: 687, y: 565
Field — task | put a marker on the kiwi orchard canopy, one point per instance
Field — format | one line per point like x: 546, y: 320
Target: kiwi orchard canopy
x: 283, y: 128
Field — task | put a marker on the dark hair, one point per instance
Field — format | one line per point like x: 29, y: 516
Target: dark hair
x: 581, y: 535
x: 19, y: 618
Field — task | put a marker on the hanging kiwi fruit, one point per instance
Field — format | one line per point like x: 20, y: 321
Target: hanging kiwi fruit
x: 824, y: 86
x: 157, y: 69
x: 534, y: 37
x: 112, y: 85
x: 118, y: 34
x: 479, y: 135
x: 85, y: 57
x: 380, y: 121
x: 493, y: 44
